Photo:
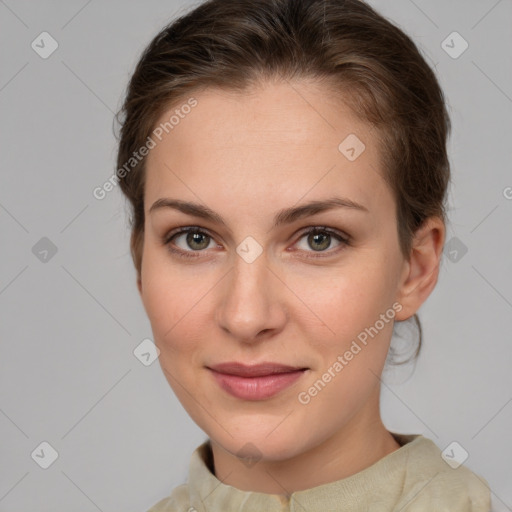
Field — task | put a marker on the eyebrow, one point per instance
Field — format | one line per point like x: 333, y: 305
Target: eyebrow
x: 285, y: 216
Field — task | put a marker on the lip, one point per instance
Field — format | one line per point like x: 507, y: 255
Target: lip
x: 255, y: 382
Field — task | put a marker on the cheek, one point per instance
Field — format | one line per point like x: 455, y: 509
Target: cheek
x: 352, y: 350
x: 346, y: 300
x: 173, y: 299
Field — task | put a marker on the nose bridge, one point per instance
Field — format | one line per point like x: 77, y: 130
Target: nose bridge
x: 249, y: 305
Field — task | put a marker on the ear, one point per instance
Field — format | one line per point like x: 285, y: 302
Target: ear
x: 422, y: 269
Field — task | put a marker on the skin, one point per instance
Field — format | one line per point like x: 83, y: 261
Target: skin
x: 246, y: 156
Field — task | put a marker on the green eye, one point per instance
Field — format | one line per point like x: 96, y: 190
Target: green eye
x: 196, y: 239
x: 318, y: 239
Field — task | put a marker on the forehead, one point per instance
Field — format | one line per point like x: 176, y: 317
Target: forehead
x: 299, y: 113
x: 275, y: 140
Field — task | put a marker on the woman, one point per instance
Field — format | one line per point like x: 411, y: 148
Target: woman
x: 286, y: 165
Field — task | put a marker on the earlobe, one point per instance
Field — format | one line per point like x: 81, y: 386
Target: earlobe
x: 422, y: 268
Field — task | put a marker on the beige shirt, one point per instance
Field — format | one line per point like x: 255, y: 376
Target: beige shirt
x: 413, y: 478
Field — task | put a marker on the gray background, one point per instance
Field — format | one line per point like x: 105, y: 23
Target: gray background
x: 69, y: 325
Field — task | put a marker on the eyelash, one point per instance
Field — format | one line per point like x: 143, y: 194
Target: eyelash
x: 167, y: 239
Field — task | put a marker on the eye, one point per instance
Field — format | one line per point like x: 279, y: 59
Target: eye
x: 320, y: 238
x: 195, y: 240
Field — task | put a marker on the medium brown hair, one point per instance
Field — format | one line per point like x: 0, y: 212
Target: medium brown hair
x: 373, y: 65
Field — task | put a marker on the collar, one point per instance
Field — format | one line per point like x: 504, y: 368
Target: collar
x: 207, y: 492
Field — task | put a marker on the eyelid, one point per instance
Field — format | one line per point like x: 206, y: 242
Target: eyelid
x: 324, y: 229
x: 185, y: 229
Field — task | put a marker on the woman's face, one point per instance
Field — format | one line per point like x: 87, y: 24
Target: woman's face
x: 249, y: 285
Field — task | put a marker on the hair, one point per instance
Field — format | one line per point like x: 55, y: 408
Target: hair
x: 374, y: 67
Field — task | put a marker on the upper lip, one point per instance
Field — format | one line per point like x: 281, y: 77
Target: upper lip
x: 256, y: 370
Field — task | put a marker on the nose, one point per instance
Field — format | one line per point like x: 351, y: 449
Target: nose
x: 250, y: 308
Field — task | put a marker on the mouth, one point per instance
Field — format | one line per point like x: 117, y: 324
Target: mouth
x: 255, y: 382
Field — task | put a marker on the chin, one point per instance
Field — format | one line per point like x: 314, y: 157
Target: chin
x: 257, y: 444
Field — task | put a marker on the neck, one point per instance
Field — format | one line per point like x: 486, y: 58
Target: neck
x: 351, y: 449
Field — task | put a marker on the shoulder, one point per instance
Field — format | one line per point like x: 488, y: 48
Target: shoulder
x: 178, y: 501
x: 186, y: 497
x: 437, y: 481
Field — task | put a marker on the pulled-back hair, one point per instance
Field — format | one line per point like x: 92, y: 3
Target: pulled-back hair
x: 359, y: 55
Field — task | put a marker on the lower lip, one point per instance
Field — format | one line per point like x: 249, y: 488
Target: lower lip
x: 256, y: 388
